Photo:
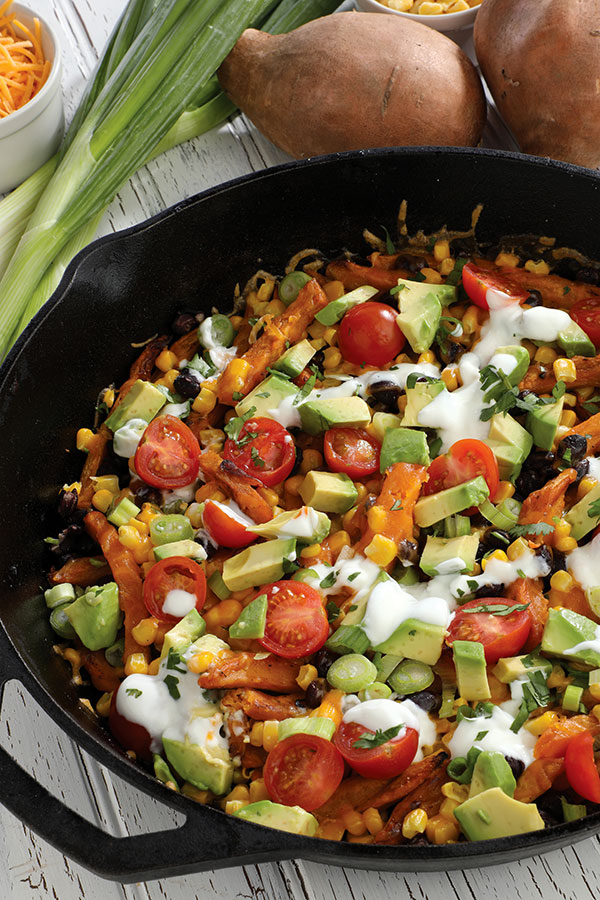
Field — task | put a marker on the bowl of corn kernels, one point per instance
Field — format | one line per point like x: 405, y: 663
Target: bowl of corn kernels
x: 443, y: 15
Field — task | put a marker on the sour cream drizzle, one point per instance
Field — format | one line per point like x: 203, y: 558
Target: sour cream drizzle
x: 497, y: 737
x: 379, y: 715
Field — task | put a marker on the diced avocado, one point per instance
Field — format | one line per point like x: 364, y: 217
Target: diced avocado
x: 184, y: 633
x: 96, y: 616
x: 208, y: 770
x: 435, y: 507
x: 575, y: 342
x: 418, y: 397
x: 509, y: 668
x: 274, y: 815
x: 509, y: 457
x: 421, y: 310
x: 142, y: 401
x: 491, y: 770
x: 295, y: 359
x: 578, y: 516
x: 218, y: 586
x: 266, y: 396
x: 187, y: 548
x: 123, y: 512
x: 572, y: 697
x: 471, y: 674
x: 445, y: 556
x: 493, y: 814
x: 251, y: 622
x: 404, y: 445
x: 208, y: 643
x: 306, y: 524
x: 415, y: 640
x: 163, y: 772
x: 321, y: 415
x: 542, y: 422
x: 382, y: 422
x: 259, y: 564
x: 511, y: 444
x: 319, y: 725
x: 406, y: 575
x: 519, y: 355
x: 332, y: 492
x: 566, y: 629
x: 335, y: 310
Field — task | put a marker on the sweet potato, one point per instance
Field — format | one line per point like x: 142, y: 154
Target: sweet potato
x: 536, y: 59
x: 392, y: 515
x: 244, y: 670
x: 355, y: 80
x: 529, y: 590
x: 260, y: 706
x: 237, y: 484
x: 84, y: 572
x: 541, y: 379
x: 547, y: 503
x: 428, y: 796
x: 537, y: 779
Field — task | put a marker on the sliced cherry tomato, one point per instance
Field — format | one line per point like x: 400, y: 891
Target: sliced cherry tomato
x: 130, y: 735
x: 296, y: 619
x: 175, y: 573
x: 225, y: 529
x: 465, y: 459
x: 580, y: 767
x: 369, y: 334
x: 168, y: 453
x: 303, y: 770
x: 477, y: 282
x: 264, y: 449
x: 385, y: 761
x: 553, y: 743
x: 500, y: 635
x: 353, y: 451
x: 587, y: 315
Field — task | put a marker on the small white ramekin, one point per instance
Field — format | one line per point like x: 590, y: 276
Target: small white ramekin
x: 457, y: 21
x: 31, y: 135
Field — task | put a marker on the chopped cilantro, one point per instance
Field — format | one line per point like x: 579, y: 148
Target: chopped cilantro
x: 353, y: 576
x: 482, y: 710
x: 497, y: 609
x: 329, y: 580
x: 235, y: 425
x: 480, y: 735
x: 133, y: 692
x: 264, y: 395
x: 305, y: 390
x: 333, y: 611
x: 368, y: 740
x: 237, y: 395
x: 389, y: 244
x: 594, y: 509
x: 174, y: 660
x: 456, y: 274
x: 172, y: 684
x: 256, y: 458
x: 532, y: 528
x: 397, y: 289
x: 566, y: 290
x: 396, y: 505
x: 289, y: 566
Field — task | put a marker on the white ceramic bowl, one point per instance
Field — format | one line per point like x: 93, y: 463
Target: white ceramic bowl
x: 31, y: 135
x: 457, y: 21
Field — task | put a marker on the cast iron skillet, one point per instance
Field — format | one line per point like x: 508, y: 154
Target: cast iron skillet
x: 127, y: 287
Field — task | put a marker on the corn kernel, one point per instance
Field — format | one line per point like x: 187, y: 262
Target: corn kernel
x: 108, y: 398
x: 570, y: 399
x: 470, y: 320
x: 372, y: 819
x: 148, y: 513
x: 330, y: 336
x: 233, y: 806
x: 545, y: 355
x: 428, y: 356
x: 382, y: 550
x: 165, y: 361
x: 376, y: 518
x: 145, y: 631
x: 568, y: 418
x: 153, y: 667
x: 312, y: 459
x: 595, y: 710
x: 516, y: 549
x: 194, y: 514
x: 130, y: 537
x: 505, y: 490
x: 415, y: 822
x: 84, y: 438
x: 539, y: 267
x: 542, y: 723
x: 507, y: 259
x: 270, y: 734
x: 360, y: 838
x: 331, y: 707
x: 205, y: 402
x: 103, y: 705
x: 333, y: 290
x: 306, y: 675
x: 564, y: 369
x: 497, y: 554
x: 107, y: 483
x: 562, y: 528
x: 256, y: 734
x: 447, y: 266
x: 565, y: 544
x: 584, y: 393
x: 585, y: 486
x: 432, y: 276
x: 102, y: 500
x: 447, y: 808
x: 455, y: 791
x: 271, y: 496
x: 200, y: 662
x: 223, y: 614
x: 449, y: 376
x: 238, y: 368
x: 292, y: 485
x: 331, y: 831
x: 339, y: 540
x: 194, y: 793
x: 354, y: 822
x: 257, y: 790
x: 594, y: 690
x: 441, y: 830
x: 332, y: 358
x: 441, y: 250
x: 239, y: 792
x: 311, y: 551
x: 136, y: 664
x: 348, y: 517
x: 561, y: 581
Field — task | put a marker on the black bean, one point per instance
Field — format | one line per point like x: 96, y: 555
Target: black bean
x: 589, y: 274
x: 323, y: 660
x: 297, y: 464
x: 496, y: 539
x: 452, y: 350
x: 410, y: 262
x: 314, y: 694
x: 582, y: 468
x: 573, y: 447
x: 187, y: 384
x: 550, y: 807
x: 427, y: 700
x: 559, y: 561
x: 67, y: 504
x: 147, y: 494
x: 534, y: 299
x: 72, y: 541
x: 489, y: 590
x: 205, y: 542
x: 387, y: 394
x: 318, y: 360
x: 517, y: 765
x: 537, y: 469
x: 184, y: 323
x: 545, y: 553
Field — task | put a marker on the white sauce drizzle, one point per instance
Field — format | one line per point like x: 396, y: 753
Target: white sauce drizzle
x: 389, y: 605
x: 179, y: 603
x: 498, y: 737
x: 127, y: 437
x: 584, y: 564
x: 379, y: 715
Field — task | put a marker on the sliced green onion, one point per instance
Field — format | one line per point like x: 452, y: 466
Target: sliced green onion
x: 375, y: 691
x: 290, y: 286
x: 411, y: 676
x: 572, y: 811
x: 348, y: 639
x: 448, y: 696
x: 114, y: 653
x: 59, y: 595
x: 61, y: 623
x: 461, y: 768
x: 351, y: 673
x: 504, y: 516
x: 319, y: 725
x: 218, y: 586
x: 166, y: 529
x: 222, y: 331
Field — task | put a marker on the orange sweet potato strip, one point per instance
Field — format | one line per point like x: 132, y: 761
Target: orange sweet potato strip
x: 591, y: 428
x: 553, y: 742
x: 260, y: 706
x: 288, y: 326
x: 353, y: 276
x: 402, y: 483
x: 103, y: 676
x: 529, y: 590
x: 537, y: 779
x: 237, y: 484
x: 186, y: 346
x: 243, y: 670
x: 557, y: 292
x: 548, y: 502
x: 83, y: 572
x: 355, y: 792
x: 126, y: 573
x: 541, y: 379
x: 416, y: 774
x: 427, y: 796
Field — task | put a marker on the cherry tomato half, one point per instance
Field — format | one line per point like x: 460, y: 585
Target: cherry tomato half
x: 168, y: 453
x: 264, y: 449
x: 587, y: 315
x: 477, y: 282
x: 385, y: 761
x: 130, y: 735
x: 225, y: 529
x: 580, y: 767
x: 500, y: 635
x: 353, y: 451
x: 175, y: 573
x: 303, y: 770
x: 465, y: 459
x: 296, y: 619
x: 369, y: 334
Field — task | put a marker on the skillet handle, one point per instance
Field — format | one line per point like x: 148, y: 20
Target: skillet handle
x: 208, y: 839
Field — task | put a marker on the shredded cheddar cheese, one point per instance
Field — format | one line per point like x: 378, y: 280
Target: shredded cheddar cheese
x: 23, y: 69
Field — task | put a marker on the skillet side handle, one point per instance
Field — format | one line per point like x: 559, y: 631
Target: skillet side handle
x: 208, y: 839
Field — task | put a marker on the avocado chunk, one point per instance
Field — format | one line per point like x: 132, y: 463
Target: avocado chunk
x: 511, y: 444
x: 542, y: 422
x: 187, y: 548
x: 332, y: 492
x: 251, y: 622
x: 267, y: 396
x: 415, y: 640
x: 404, y: 445
x: 418, y: 397
x: 431, y: 509
x: 421, y: 311
x: 471, y: 673
x: 274, y: 815
x: 295, y: 359
x: 509, y: 668
x: 335, y: 310
x: 491, y: 770
x: 208, y: 770
x: 96, y: 616
x: 163, y: 772
x: 321, y: 415
x: 565, y: 630
x: 578, y: 516
x: 382, y: 422
x: 513, y: 361
x: 184, y: 633
x: 142, y: 401
x: 259, y: 564
x: 575, y: 342
x: 208, y: 643
x: 493, y: 814
x: 445, y: 556
x: 308, y: 525
x: 510, y: 459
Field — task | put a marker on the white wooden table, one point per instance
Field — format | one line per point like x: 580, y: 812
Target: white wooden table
x: 32, y: 870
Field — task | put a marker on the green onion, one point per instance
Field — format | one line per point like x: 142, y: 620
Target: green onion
x: 411, y: 676
x: 375, y: 691
x: 351, y: 673
x: 114, y: 653
x: 166, y: 529
x: 290, y: 286
x: 61, y: 623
